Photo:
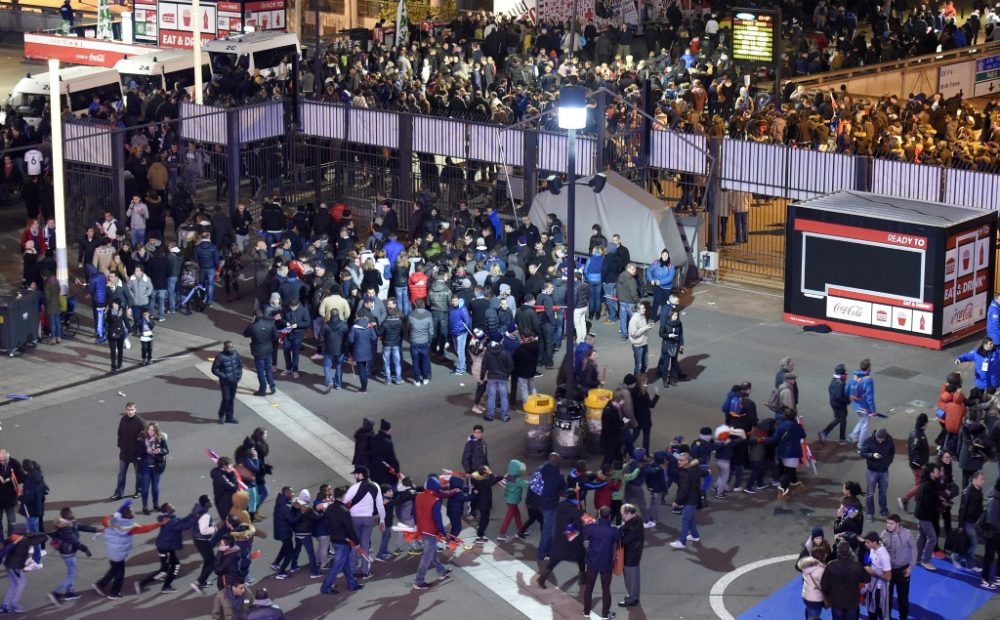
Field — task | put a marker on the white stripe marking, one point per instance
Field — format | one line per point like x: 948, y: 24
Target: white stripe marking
x: 715, y: 595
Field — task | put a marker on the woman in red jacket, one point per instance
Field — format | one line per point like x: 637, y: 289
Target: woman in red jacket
x: 951, y: 405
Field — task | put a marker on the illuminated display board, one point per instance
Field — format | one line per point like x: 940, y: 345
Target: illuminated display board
x: 754, y: 34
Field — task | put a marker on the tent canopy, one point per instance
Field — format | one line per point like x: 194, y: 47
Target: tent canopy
x: 646, y: 224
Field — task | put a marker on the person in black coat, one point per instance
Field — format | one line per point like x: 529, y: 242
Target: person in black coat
x: 611, y: 430
x: 223, y: 486
x: 263, y: 338
x: 840, y: 581
x: 382, y: 456
x: 229, y: 369
x: 362, y: 443
x: 332, y: 337
x: 567, y: 539
x: 633, y: 540
x: 642, y: 407
x: 601, y: 538
x: 284, y: 519
x: 130, y: 451
x: 672, y: 334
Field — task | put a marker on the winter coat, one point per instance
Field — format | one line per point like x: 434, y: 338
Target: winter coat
x: 840, y: 581
x: 420, y: 325
x: 928, y: 507
x: 568, y: 516
x: 688, y: 485
x: 362, y: 339
x: 917, y: 449
x: 672, y: 345
x: 527, y: 320
x: 382, y: 452
x: 68, y: 534
x: 482, y: 488
x: 17, y: 557
x: 228, y: 367
x: 438, y: 296
x: 33, y: 494
x: 206, y: 255
x: 973, y: 445
x: 171, y: 534
x: 362, y: 443
x: 788, y: 437
x: 886, y: 449
x: 262, y: 609
x: 263, y: 337
x: 987, y: 366
x: 417, y: 285
x: 601, y: 538
x: 971, y: 506
x: 333, y: 334
x: 337, y: 518
x: 863, y: 398
x: 662, y: 274
x: 611, y: 427
x: 953, y: 404
x: 812, y: 574
x: 226, y: 605
x: 638, y: 330
x: 516, y: 483
x: 633, y: 540
x: 592, y: 269
x: 459, y: 320
x: 497, y: 364
x: 283, y: 518
x: 130, y: 444
x: 553, y: 486
x: 118, y: 532
x: 391, y: 331
x: 838, y: 398
x: 474, y: 455
x: 141, y: 290
x: 642, y: 406
x: 526, y: 359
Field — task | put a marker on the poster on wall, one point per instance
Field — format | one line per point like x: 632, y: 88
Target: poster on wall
x: 516, y: 9
x: 561, y: 10
x: 966, y: 271
x: 170, y: 23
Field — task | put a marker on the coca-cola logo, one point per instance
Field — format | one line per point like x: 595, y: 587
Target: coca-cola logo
x: 853, y: 310
x: 962, y: 315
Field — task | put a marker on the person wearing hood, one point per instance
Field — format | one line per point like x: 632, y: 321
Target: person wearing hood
x: 66, y: 540
x: 686, y: 499
x: 812, y: 566
x: 169, y: 540
x: 363, y: 339
x: 514, y: 489
x: 202, y: 534
x: 227, y: 563
x: 17, y: 547
x: 986, y: 362
x: 263, y: 608
x: 786, y: 366
x: 656, y: 482
x: 951, y: 403
x: 567, y: 544
x: 383, y: 463
x: 838, y: 403
x: 332, y: 336
x: 119, y: 529
x: 672, y: 335
x: 228, y: 368
x: 918, y: 453
x: 263, y: 337
x: 430, y: 527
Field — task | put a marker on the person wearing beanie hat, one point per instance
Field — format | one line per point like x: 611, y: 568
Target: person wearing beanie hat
x: 919, y: 454
x: 382, y: 456
x: 839, y: 401
x: 263, y: 608
x: 119, y: 529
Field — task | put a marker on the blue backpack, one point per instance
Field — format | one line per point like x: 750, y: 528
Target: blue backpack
x: 537, y: 482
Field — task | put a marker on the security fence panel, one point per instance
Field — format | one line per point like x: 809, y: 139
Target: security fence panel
x: 552, y: 153
x: 87, y: 143
x: 681, y: 152
x: 439, y: 136
x: 903, y: 180
x: 811, y: 173
x: 373, y: 127
x: 323, y: 120
x: 496, y: 144
x: 754, y: 167
x: 203, y: 123
x: 967, y: 188
x: 262, y: 121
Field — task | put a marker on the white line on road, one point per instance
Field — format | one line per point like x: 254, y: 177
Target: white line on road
x: 715, y: 595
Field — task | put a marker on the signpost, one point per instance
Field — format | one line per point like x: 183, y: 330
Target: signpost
x: 756, y: 40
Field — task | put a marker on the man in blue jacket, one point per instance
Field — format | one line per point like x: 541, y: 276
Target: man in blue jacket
x: 459, y: 325
x: 97, y: 288
x: 207, y: 257
x: 993, y: 319
x: 169, y: 541
x: 601, y: 537
x: 362, y: 339
x: 553, y: 487
x: 860, y: 389
x: 283, y: 521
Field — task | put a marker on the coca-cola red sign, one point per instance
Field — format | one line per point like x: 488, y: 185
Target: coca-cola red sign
x: 848, y: 310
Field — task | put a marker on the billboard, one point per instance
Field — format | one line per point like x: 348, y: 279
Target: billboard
x: 170, y: 23
x: 755, y: 33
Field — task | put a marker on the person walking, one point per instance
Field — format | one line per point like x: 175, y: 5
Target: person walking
x: 230, y: 602
x: 567, y: 546
x: 918, y: 453
x: 66, y: 539
x: 838, y: 403
x: 223, y: 477
x: 263, y: 338
x: 430, y: 527
x: 202, y: 534
x: 17, y: 547
x: 383, y: 464
x: 340, y: 527
x: 263, y: 608
x: 154, y: 463
x: 927, y: 513
x: 119, y: 529
x: 515, y: 486
x: 207, y: 257
x: 367, y: 511
x: 601, y: 539
x: 228, y: 367
x: 860, y: 389
x: 787, y: 438
x: 551, y: 490
x: 686, y: 499
x: 632, y: 540
x: 12, y: 476
x: 878, y: 450
x: 672, y: 337
x: 840, y: 583
x: 362, y: 339
x: 130, y: 451
x: 898, y: 542
x: 969, y: 510
x: 169, y: 540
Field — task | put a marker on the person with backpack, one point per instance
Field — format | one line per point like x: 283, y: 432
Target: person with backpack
x: 838, y: 403
x: 784, y: 395
x: 66, y: 540
x: 15, y: 555
x: 860, y: 389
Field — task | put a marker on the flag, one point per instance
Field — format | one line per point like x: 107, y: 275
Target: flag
x: 402, y: 24
x: 104, y: 20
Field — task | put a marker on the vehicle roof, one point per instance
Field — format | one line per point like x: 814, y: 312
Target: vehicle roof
x: 168, y: 59
x: 39, y: 82
x: 251, y: 38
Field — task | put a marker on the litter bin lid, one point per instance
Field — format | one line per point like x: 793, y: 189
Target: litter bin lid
x: 597, y: 398
x: 540, y: 403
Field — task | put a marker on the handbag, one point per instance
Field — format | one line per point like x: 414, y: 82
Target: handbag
x: 619, y: 566
x: 127, y: 343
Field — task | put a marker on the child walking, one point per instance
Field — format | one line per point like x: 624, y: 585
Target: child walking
x: 515, y: 485
x: 66, y: 540
x: 482, y: 487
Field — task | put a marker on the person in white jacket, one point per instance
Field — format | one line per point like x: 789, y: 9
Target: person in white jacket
x: 812, y: 567
x: 202, y: 535
x: 638, y: 328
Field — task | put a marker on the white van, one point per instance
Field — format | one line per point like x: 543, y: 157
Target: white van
x: 160, y: 70
x: 78, y: 86
x: 254, y: 51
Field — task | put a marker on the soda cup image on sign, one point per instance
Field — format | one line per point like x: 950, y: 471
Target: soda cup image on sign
x: 186, y: 18
x: 966, y: 258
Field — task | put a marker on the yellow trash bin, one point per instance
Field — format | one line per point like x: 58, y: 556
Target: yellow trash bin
x: 595, y: 402
x: 538, y: 411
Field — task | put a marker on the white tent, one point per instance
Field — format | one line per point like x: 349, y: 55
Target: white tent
x: 646, y: 224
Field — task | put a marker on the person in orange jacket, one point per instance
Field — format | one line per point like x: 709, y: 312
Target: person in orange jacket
x: 950, y: 412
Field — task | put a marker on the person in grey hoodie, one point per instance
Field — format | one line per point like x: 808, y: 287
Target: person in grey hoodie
x: 420, y: 326
x: 141, y: 289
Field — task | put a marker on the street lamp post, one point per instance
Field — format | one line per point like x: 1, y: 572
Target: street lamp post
x: 572, y: 116
x: 58, y: 180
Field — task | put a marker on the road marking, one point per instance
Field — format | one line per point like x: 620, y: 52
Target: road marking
x: 716, y: 594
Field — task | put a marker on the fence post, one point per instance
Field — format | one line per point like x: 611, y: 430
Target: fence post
x: 317, y: 148
x: 862, y: 173
x: 530, y: 168
x: 602, y: 126
x: 404, y: 166
x: 118, y: 197
x: 233, y: 155
x: 713, y: 188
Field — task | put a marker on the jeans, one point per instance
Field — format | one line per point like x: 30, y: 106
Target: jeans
x: 333, y: 370
x: 55, y: 324
x: 440, y: 331
x: 878, y: 479
x: 610, y: 291
x: 420, y: 360
x: 158, y: 303
x: 926, y: 540
x: 860, y: 430
x: 138, y: 237
x: 901, y: 583
x: 970, y: 551
x: 588, y: 591
x: 307, y: 542
x: 18, y: 582
x: 67, y: 584
x: 341, y: 555
x: 392, y: 360
x: 560, y: 330
x: 625, y: 311
x: 99, y: 326
x: 271, y: 237
x: 741, y: 226
x: 363, y: 527
x: 265, y: 372
x: 594, y: 292
x: 641, y: 356
x: 814, y: 609
x: 122, y: 473
x: 228, y: 389
x: 525, y: 388
x: 548, y: 531
x: 403, y: 299
x: 493, y: 386
x: 292, y: 347
x: 150, y: 482
x: 207, y: 277
x: 460, y: 342
x: 632, y: 584
x: 172, y: 293
x: 36, y: 553
x: 688, y: 525
x: 429, y: 558
x: 839, y: 417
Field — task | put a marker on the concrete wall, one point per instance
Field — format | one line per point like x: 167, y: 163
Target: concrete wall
x: 23, y: 21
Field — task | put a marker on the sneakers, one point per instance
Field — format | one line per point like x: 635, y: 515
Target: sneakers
x: 822, y: 437
x: 98, y: 590
x: 904, y: 505
x: 198, y: 588
x: 649, y: 524
x: 70, y: 596
x: 693, y: 538
x: 989, y: 585
x: 275, y: 568
x: 928, y: 566
x: 167, y: 589
x: 116, y: 597
x: 422, y: 586
x: 425, y: 381
x: 31, y: 565
x: 282, y: 576
x: 456, y: 373
x: 505, y: 419
x: 521, y: 535
x: 138, y: 588
x: 447, y: 573
x: 720, y: 496
x: 677, y: 544
x: 285, y: 373
x: 295, y: 374
x: 480, y: 540
x: 750, y: 491
x: 782, y: 492
x: 738, y: 490
x: 503, y: 538
x: 56, y: 598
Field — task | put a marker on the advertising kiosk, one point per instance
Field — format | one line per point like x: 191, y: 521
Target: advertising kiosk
x: 902, y: 270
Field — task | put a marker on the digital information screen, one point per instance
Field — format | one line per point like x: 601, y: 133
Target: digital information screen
x: 754, y: 35
x: 891, y: 271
